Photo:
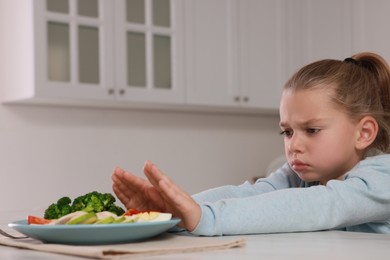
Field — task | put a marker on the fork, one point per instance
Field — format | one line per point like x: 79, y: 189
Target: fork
x: 2, y: 232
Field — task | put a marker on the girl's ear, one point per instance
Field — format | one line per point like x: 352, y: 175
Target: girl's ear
x: 367, y: 132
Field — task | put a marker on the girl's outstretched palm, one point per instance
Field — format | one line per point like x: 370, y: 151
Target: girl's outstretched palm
x: 156, y: 193
x: 135, y: 192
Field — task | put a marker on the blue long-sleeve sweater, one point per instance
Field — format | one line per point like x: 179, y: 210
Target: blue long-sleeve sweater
x: 285, y: 203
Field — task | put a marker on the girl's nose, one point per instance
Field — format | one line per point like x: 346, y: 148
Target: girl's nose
x: 294, y: 144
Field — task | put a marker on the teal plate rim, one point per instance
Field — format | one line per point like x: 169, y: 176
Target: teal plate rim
x: 93, y: 234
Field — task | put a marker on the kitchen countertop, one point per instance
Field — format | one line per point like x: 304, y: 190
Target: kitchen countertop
x: 318, y: 245
x: 305, y: 245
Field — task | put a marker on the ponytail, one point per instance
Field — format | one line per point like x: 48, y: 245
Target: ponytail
x: 379, y: 68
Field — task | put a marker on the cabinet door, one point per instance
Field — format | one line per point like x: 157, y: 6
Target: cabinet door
x: 211, y: 52
x: 261, y: 38
x: 370, y: 22
x: 318, y: 30
x: 148, y: 58
x: 73, y: 48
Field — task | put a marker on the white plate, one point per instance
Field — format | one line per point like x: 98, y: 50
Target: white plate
x: 93, y: 234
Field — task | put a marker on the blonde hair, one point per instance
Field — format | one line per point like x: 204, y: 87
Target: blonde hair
x: 360, y: 85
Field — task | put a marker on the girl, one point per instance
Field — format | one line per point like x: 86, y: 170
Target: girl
x: 335, y: 121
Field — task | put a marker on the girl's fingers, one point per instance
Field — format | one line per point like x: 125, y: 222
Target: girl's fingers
x: 162, y: 182
x: 128, y: 187
x: 169, y: 190
x: 158, y: 191
x: 120, y: 187
x: 120, y: 176
x: 187, y: 209
x: 153, y: 174
x: 177, y: 196
x: 181, y: 203
x: 128, y: 181
x: 121, y: 196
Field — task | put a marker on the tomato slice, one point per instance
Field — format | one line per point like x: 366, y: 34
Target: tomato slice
x: 131, y: 212
x: 37, y: 220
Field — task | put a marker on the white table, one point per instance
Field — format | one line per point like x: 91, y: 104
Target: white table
x: 311, y: 245
x: 314, y: 245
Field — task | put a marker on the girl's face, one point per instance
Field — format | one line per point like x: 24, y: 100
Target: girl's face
x: 319, y: 139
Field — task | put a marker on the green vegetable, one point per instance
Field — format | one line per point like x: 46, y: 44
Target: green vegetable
x: 115, y: 209
x: 88, y: 218
x: 91, y: 202
x: 120, y: 220
x: 59, y: 209
x: 107, y: 220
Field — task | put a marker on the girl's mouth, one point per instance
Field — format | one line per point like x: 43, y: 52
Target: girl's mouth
x: 298, y: 165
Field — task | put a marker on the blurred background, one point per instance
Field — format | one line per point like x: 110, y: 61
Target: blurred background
x: 193, y: 85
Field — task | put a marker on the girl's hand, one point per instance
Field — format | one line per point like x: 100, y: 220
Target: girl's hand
x: 176, y: 200
x: 159, y: 193
x: 135, y: 192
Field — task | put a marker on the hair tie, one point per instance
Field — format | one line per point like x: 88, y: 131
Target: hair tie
x: 351, y: 60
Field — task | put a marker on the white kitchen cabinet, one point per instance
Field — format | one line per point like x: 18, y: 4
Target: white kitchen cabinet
x: 317, y: 30
x: 234, y: 53
x: 211, y: 48
x: 262, y: 72
x: 55, y: 50
x: 78, y: 51
x: 225, y: 55
x: 148, y: 50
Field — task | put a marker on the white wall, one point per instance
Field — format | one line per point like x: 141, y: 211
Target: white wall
x: 47, y: 152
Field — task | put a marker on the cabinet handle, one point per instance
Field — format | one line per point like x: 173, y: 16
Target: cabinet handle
x: 246, y: 99
x: 111, y: 91
x: 237, y: 98
x: 121, y: 92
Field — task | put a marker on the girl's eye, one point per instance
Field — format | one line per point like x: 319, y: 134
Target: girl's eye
x: 313, y: 130
x: 287, y: 133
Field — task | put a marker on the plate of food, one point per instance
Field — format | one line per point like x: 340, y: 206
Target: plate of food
x: 65, y: 223
x: 94, y: 234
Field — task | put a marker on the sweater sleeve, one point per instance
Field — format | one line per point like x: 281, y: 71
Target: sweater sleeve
x: 363, y: 197
x: 280, y: 179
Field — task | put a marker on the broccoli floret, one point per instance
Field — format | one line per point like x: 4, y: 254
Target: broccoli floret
x: 59, y: 209
x: 90, y: 202
x: 93, y: 201
x: 81, y: 202
x: 116, y: 210
x: 109, y: 204
x: 94, y: 204
x: 65, y: 210
x: 64, y: 201
x: 107, y: 199
x: 52, y: 212
x: 78, y: 204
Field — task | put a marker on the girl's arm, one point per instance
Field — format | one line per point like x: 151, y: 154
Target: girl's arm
x: 364, y: 197
x: 282, y: 178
